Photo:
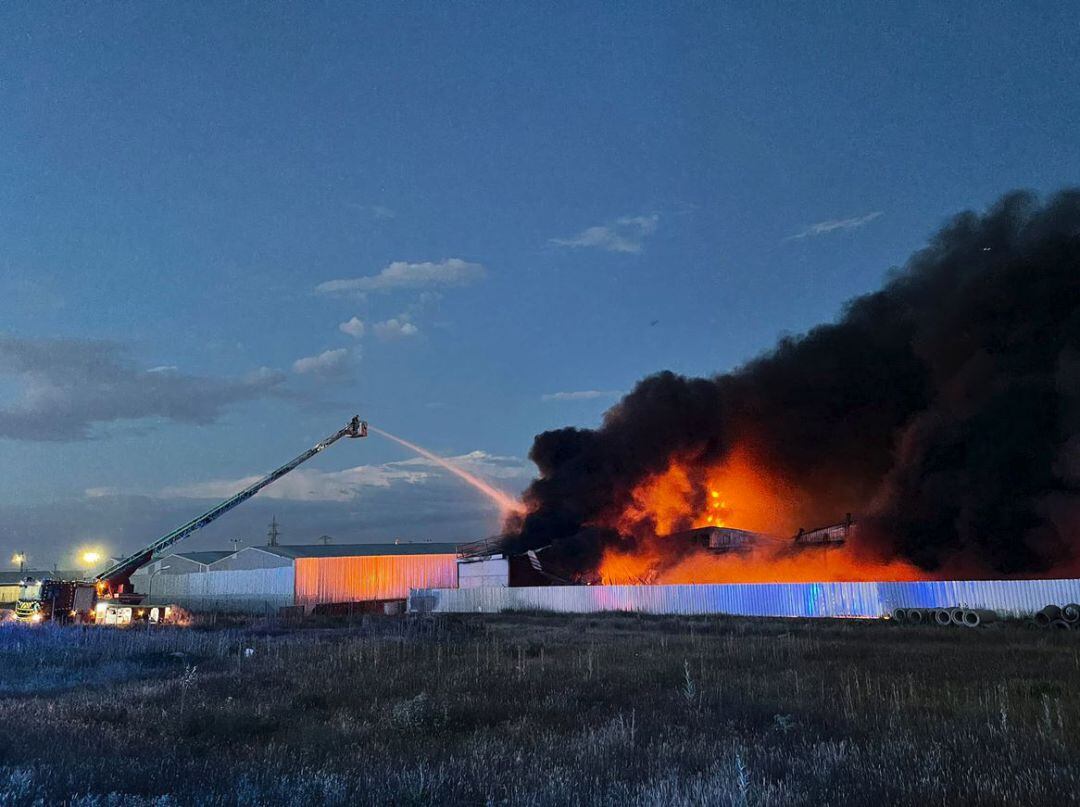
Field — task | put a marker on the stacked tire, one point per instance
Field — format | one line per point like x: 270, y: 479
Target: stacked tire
x: 944, y: 617
x: 1057, y: 617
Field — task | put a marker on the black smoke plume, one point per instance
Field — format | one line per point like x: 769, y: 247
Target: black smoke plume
x: 944, y: 409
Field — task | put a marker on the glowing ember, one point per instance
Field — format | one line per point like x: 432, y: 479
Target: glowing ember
x: 506, y: 503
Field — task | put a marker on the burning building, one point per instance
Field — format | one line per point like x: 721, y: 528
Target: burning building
x: 943, y: 409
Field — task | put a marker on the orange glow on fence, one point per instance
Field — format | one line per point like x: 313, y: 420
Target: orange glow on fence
x: 741, y: 493
x: 380, y: 577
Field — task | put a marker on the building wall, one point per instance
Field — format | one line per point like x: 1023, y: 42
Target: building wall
x: 377, y: 577
x: 246, y: 590
x: 9, y: 594
x: 486, y: 572
x: 1010, y: 597
x: 251, y: 557
x: 174, y: 564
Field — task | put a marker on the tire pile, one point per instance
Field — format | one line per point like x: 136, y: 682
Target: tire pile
x: 1052, y: 616
x: 944, y: 617
x: 1058, y: 617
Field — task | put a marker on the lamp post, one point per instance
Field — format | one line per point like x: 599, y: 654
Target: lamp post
x: 150, y: 582
x: 150, y: 589
x: 20, y: 558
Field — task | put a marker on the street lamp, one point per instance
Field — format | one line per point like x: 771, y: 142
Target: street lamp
x: 150, y: 582
x: 90, y: 557
x: 149, y: 592
x: 20, y: 559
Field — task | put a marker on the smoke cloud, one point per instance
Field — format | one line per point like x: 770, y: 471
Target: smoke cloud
x: 944, y: 410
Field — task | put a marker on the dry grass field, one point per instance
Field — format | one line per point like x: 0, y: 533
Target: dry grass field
x: 537, y: 709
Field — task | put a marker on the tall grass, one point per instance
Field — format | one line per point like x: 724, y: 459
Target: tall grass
x: 539, y: 710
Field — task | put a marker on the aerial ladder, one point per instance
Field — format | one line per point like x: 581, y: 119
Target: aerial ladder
x: 81, y: 600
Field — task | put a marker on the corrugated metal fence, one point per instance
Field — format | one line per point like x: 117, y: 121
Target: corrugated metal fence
x: 241, y: 590
x: 1013, y: 597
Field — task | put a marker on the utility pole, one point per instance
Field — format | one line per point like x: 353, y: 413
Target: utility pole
x: 236, y: 543
x: 325, y: 540
x: 272, y: 536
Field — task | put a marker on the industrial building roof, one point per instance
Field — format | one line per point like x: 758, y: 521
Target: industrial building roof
x: 14, y: 578
x: 355, y: 550
x: 205, y: 557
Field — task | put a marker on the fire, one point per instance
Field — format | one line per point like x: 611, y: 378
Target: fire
x: 739, y: 493
x: 769, y: 564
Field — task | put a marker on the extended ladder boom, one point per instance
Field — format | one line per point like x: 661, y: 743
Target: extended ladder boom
x: 119, y: 573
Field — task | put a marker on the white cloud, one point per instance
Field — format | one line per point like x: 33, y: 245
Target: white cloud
x: 325, y: 363
x: 301, y: 485
x: 100, y: 493
x: 353, y: 327
x: 312, y: 485
x: 582, y: 395
x: 164, y: 368
x: 396, y: 328
x: 623, y: 235
x: 402, y: 275
x: 481, y: 463
x: 823, y: 227
x: 264, y: 375
x: 380, y: 212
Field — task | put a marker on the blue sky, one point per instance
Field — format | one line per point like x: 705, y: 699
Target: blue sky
x: 529, y: 210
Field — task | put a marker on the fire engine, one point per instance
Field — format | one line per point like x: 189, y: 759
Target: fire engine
x: 110, y: 598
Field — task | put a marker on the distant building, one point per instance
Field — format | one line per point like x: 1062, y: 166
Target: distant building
x: 824, y: 536
x: 718, y: 539
x: 265, y: 577
x: 10, y: 581
x: 185, y: 562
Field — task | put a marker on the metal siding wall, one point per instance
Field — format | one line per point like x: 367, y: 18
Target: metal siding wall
x: 381, y: 577
x: 1013, y: 597
x: 481, y: 573
x: 253, y: 590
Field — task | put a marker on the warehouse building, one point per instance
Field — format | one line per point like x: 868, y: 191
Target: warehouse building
x: 185, y: 562
x: 265, y: 578
x: 10, y: 582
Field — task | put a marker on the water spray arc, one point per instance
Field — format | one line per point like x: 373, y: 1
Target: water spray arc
x: 507, y: 504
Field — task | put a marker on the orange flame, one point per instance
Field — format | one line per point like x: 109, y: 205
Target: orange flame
x: 738, y: 492
x: 741, y: 493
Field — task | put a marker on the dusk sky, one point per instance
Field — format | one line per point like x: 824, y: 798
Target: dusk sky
x: 226, y: 229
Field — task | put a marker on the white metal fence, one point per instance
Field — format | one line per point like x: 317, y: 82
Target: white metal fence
x: 1010, y: 597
